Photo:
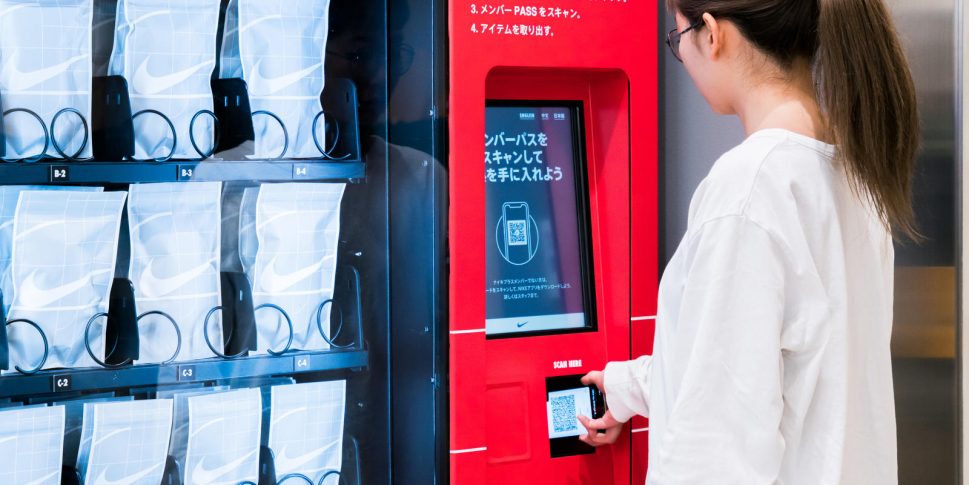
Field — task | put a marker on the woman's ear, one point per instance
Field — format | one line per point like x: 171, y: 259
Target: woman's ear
x: 712, y: 37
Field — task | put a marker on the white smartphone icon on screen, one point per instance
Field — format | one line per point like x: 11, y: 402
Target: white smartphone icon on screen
x: 518, y: 247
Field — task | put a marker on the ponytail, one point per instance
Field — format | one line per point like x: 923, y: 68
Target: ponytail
x: 864, y: 85
x: 868, y: 97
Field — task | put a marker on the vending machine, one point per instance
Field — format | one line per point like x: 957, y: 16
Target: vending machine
x: 222, y: 242
x: 553, y: 232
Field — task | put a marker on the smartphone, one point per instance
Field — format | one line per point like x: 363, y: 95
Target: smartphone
x: 518, y: 247
x: 566, y: 398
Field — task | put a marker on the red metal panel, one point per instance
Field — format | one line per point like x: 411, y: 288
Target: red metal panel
x: 603, y: 53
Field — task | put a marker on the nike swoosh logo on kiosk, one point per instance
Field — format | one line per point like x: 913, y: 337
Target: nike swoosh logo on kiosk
x: 145, y: 83
x: 273, y: 85
x: 22, y: 81
x: 153, y: 286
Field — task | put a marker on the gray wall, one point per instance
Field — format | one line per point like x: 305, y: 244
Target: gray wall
x: 692, y: 137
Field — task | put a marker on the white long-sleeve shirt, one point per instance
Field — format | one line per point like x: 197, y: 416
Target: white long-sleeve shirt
x: 772, y: 362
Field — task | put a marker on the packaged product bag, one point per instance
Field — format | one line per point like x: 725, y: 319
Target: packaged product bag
x: 306, y: 429
x: 45, y: 67
x: 63, y: 262
x: 175, y: 231
x: 31, y: 438
x: 297, y: 234
x: 223, y: 437
x: 166, y: 51
x: 9, y: 195
x: 278, y: 47
x: 136, y: 430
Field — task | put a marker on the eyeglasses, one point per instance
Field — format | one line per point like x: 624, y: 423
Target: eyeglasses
x: 673, y: 38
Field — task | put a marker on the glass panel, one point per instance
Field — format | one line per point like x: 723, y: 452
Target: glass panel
x: 199, y: 263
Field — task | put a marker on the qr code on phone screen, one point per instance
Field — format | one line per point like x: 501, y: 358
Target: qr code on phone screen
x: 516, y: 233
x: 563, y: 413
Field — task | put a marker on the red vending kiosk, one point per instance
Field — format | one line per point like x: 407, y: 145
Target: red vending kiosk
x: 553, y: 238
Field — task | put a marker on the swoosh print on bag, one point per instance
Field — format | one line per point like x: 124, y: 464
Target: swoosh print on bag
x: 43, y: 479
x: 259, y: 20
x: 137, y: 227
x: 261, y: 85
x: 148, y: 16
x: 18, y: 80
x: 146, y: 83
x: 153, y: 287
x: 101, y: 439
x: 128, y: 480
x: 12, y: 9
x: 286, y: 464
x: 273, y: 282
x: 201, y: 475
x: 32, y: 296
x: 44, y: 225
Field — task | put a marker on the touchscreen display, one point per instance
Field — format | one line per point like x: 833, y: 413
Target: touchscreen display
x: 538, y: 259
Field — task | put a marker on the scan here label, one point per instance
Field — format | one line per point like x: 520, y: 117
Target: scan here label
x: 567, y: 364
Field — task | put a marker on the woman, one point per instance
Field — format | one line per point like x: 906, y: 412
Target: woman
x: 772, y: 361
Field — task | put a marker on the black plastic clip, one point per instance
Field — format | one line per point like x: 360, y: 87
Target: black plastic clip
x: 4, y: 349
x: 112, y: 125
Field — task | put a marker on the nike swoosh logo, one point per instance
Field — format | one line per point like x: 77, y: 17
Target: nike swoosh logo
x: 154, y: 287
x: 148, y: 16
x: 286, y: 464
x: 291, y: 412
x: 93, y: 221
x: 263, y: 85
x: 206, y: 425
x: 32, y: 296
x: 145, y: 83
x: 128, y: 480
x: 43, y: 479
x: 258, y: 21
x: 202, y: 475
x: 22, y: 81
x: 522, y: 324
x: 40, y: 226
x: 137, y: 227
x: 12, y: 9
x: 273, y: 282
x: 108, y: 436
x: 276, y: 217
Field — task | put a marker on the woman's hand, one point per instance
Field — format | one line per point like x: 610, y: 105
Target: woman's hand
x: 602, y: 431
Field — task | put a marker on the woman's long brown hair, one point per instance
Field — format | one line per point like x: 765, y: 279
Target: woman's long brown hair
x: 864, y: 85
